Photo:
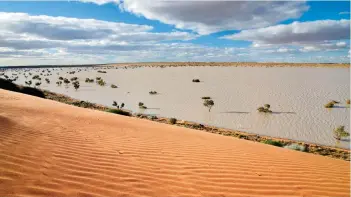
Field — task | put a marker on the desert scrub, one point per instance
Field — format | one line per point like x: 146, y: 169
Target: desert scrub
x: 340, y: 133
x: 297, y: 147
x: 172, y: 121
x: 265, y: 108
x: 273, y: 142
x: 87, y: 80
x: 205, y: 97
x: 152, y: 92
x: 119, y: 111
x: 196, y: 80
x: 74, y: 78
x: 113, y: 86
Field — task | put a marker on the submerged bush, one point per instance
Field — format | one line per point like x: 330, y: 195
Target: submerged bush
x: 340, y: 133
x: 272, y: 142
x: 141, y: 105
x: 205, y: 97
x: 209, y: 104
x: 119, y: 111
x: 113, y: 86
x: 152, y: 92
x: 297, y: 147
x: 172, y: 120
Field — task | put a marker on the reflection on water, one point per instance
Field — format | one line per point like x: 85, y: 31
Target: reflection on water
x: 296, y: 95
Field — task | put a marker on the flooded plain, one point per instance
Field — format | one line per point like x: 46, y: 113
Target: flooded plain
x: 297, y: 96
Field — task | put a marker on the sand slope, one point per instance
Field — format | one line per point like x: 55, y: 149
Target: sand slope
x: 53, y: 149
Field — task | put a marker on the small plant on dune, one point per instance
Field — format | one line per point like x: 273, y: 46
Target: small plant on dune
x: 340, y: 133
x: 152, y: 92
x: 273, y: 142
x: 265, y: 108
x: 329, y: 105
x: 66, y: 81
x: 209, y: 104
x: 297, y: 147
x: 172, y: 121
x: 141, y: 105
x: 87, y: 80
x: 196, y: 80
x: 76, y: 85
x: 348, y: 101
x: 205, y: 97
x: 113, y: 86
x: 74, y: 78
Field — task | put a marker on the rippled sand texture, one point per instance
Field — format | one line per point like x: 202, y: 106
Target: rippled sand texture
x: 296, y: 94
x: 52, y: 149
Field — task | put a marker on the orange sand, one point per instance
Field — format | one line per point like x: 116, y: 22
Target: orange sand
x: 53, y: 149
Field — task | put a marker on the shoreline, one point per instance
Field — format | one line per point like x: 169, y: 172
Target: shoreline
x: 329, y: 151
x: 192, y: 64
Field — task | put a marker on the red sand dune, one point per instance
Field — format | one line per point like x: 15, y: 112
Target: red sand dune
x: 52, y: 149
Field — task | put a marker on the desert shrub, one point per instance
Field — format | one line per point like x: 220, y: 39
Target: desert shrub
x: 141, y: 105
x: 60, y: 78
x: 113, y: 86
x: 297, y: 147
x: 152, y: 92
x: 273, y: 142
x: 209, y: 104
x: 47, y: 80
x: 98, y: 78
x: 196, y: 80
x: 101, y: 82
x: 172, y: 120
x: 265, y: 109
x: 36, y: 77
x: 118, y: 111
x: 205, y: 97
x: 348, y: 101
x: 37, y: 84
x: 33, y: 92
x: 28, y: 82
x: 87, y: 80
x: 76, y: 85
x: 59, y: 82
x: 101, y: 71
x: 329, y: 105
x: 66, y: 81
x: 74, y: 78
x: 340, y: 133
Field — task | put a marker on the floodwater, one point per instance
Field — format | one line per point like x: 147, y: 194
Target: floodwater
x: 296, y: 94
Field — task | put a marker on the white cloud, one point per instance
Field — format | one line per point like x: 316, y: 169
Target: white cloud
x: 325, y: 47
x: 207, y: 17
x: 296, y: 33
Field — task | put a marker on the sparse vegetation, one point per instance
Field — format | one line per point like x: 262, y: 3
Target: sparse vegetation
x: 209, y: 104
x: 152, y: 92
x: 205, y: 97
x: 340, y: 133
x: 113, y: 86
x: 74, y: 78
x: 101, y: 71
x: 297, y: 147
x: 265, y: 108
x: 172, y: 120
x: 47, y: 80
x: 59, y: 83
x: 101, y: 82
x: 119, y: 111
x: 60, y: 78
x: 66, y: 81
x: 37, y: 84
x: 272, y: 142
x: 76, y: 85
x: 87, y: 80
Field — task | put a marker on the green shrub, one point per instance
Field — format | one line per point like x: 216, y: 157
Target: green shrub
x: 340, y: 133
x: 297, y: 147
x: 172, y: 120
x: 272, y: 142
x: 265, y: 109
x: 118, y: 111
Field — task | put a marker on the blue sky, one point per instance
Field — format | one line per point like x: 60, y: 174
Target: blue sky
x: 62, y: 32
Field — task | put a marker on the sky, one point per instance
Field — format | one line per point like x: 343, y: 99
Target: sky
x: 111, y: 31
